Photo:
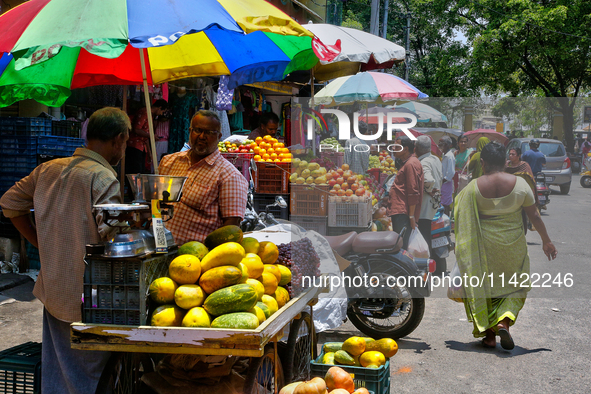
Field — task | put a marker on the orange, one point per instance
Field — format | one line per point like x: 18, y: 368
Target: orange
x: 253, y: 145
x: 266, y: 157
x: 256, y: 150
x: 281, y: 144
x: 276, y: 160
x: 270, y: 150
x: 258, y: 140
x: 274, y: 140
x: 262, y: 152
x: 267, y: 138
x: 257, y: 158
x: 287, y: 160
x: 281, y: 156
x: 276, y: 145
x: 273, y: 156
x: 269, y: 160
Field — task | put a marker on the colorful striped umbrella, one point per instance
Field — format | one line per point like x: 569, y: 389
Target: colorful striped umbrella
x: 367, y: 86
x: 98, y: 42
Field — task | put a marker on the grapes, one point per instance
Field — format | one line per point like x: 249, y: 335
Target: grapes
x: 304, y: 263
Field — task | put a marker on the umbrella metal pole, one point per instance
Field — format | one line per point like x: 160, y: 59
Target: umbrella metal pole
x: 149, y: 110
x: 122, y: 179
x: 311, y: 106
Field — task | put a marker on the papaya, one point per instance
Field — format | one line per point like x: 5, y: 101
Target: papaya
x: 315, y: 173
x: 250, y: 245
x: 254, y: 264
x: 258, y: 312
x: 230, y: 253
x: 344, y: 358
x: 282, y: 296
x: 258, y: 286
x: 303, y: 164
x: 220, y: 277
x: 238, y: 320
x: 300, y: 180
x: 285, y: 275
x: 244, y: 272
x: 310, y: 180
x: 194, y: 248
x: 222, y: 235
x: 196, y: 317
x: 271, y: 303
x: 354, y: 346
x: 320, y: 180
x: 313, y: 166
x: 270, y: 283
x: 331, y: 347
x: 328, y: 358
x: 265, y: 309
x: 372, y: 357
x: 268, y: 252
x: 293, y: 177
x: 274, y: 270
x: 306, y: 173
x: 387, y: 346
x: 237, y: 298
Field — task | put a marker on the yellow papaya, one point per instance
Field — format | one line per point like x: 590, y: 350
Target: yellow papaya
x: 230, y: 253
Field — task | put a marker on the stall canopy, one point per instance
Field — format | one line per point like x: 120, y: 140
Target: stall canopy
x: 359, y: 51
x: 100, y: 44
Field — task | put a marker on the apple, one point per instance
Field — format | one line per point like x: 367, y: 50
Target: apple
x: 337, y: 187
x: 354, y: 186
x: 345, y: 185
x: 340, y: 180
x: 341, y: 193
x: 349, y: 193
x: 345, y: 167
x: 360, y: 192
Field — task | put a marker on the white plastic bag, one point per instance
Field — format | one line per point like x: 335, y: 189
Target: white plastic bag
x: 417, y: 245
x: 455, y: 291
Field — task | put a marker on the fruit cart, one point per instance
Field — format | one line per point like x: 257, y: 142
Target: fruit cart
x: 266, y: 374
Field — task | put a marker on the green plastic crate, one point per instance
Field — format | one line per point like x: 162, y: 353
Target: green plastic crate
x: 20, y: 369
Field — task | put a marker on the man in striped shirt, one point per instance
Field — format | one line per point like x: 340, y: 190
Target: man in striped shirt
x: 215, y: 192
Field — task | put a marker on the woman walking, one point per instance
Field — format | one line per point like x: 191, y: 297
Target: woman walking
x: 474, y: 165
x: 490, y: 243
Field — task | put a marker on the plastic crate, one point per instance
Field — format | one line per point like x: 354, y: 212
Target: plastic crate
x: 349, y: 214
x: 115, y: 290
x: 241, y: 161
x: 25, y: 126
x: 333, y: 231
x: 7, y: 181
x: 312, y: 223
x: 20, y: 369
x: 262, y: 200
x: 66, y: 128
x: 18, y: 145
x: 75, y: 143
x: 58, y: 146
x: 18, y: 164
x: 272, y: 178
x: 309, y: 200
x: 373, y: 379
x: 33, y: 256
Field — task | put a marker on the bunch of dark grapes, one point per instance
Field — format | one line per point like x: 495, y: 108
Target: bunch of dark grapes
x: 305, y: 262
x: 284, y: 255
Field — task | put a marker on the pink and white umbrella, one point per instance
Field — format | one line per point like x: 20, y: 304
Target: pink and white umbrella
x: 491, y: 134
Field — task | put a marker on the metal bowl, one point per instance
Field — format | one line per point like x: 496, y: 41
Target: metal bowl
x: 147, y: 187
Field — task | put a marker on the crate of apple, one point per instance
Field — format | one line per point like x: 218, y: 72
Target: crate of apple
x: 345, y: 183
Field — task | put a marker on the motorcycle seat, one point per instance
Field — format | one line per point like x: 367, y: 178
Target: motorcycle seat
x: 371, y: 242
x: 342, y: 243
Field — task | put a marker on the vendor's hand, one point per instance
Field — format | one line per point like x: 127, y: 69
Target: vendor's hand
x: 550, y: 250
x: 413, y: 223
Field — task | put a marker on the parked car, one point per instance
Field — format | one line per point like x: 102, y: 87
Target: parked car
x: 558, y: 169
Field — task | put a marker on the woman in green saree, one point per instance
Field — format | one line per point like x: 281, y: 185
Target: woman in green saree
x: 491, y: 245
x: 474, y: 166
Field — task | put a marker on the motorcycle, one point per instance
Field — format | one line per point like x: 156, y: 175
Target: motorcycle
x: 392, y: 303
x: 398, y: 283
x: 542, y: 190
x: 441, y: 242
x: 586, y: 176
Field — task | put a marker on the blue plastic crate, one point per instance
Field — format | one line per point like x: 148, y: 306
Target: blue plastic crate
x: 74, y: 143
x: 52, y: 145
x: 23, y: 164
x: 7, y: 181
x: 25, y: 126
x: 18, y: 145
x: 373, y: 379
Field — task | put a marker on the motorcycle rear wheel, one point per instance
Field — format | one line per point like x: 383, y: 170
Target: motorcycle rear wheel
x: 586, y: 181
x: 411, y: 310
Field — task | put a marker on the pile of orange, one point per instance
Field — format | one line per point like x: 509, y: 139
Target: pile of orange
x: 269, y: 149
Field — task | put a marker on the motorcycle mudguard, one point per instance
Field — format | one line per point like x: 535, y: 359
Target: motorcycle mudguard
x: 442, y: 252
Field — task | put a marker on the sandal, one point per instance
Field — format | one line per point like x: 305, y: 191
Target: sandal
x: 506, y: 339
x: 486, y: 345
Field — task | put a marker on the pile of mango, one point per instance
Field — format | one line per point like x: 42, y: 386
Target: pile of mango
x: 308, y: 173
x: 360, y: 352
x: 228, y: 281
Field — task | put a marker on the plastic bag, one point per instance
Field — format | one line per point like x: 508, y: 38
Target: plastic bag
x: 456, y: 293
x: 417, y: 245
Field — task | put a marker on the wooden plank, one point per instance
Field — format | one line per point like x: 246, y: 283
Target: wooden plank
x: 185, y: 340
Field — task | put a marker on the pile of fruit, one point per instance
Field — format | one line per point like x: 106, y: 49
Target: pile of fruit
x: 386, y: 163
x: 336, y: 381
x: 346, y: 184
x: 359, y: 352
x: 374, y: 187
x: 245, y: 146
x: 301, y: 258
x: 269, y: 149
x: 374, y: 162
x: 333, y: 142
x: 381, y: 221
x: 308, y: 173
x: 226, y: 282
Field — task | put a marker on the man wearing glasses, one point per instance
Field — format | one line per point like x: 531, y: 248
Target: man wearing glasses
x: 215, y: 192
